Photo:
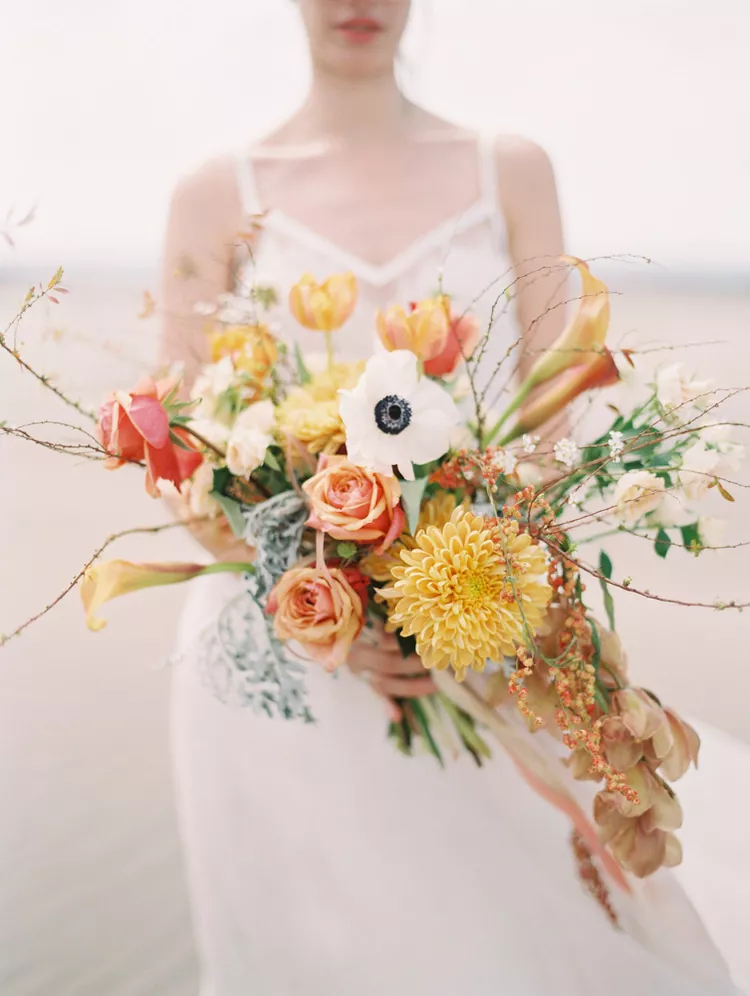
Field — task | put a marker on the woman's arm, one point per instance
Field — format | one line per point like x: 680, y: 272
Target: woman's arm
x: 205, y: 216
x: 529, y: 197
x: 204, y: 219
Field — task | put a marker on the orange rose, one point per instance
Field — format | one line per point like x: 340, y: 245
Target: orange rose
x: 321, y: 609
x: 352, y: 503
x: 133, y: 427
x: 462, y: 339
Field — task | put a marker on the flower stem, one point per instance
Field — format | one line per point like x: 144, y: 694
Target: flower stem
x: 523, y: 393
x: 329, y: 349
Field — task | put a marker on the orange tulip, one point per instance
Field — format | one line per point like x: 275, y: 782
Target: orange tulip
x: 601, y: 371
x: 423, y: 330
x: 460, y: 343
x: 323, y: 307
x: 112, y: 578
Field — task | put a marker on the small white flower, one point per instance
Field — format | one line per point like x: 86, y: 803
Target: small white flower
x: 566, y: 452
x: 212, y: 430
x: 394, y: 417
x: 675, y: 389
x: 575, y: 498
x: 616, y: 445
x: 198, y: 488
x: 504, y: 462
x: 711, y: 530
x: 637, y: 493
x: 530, y: 443
x: 214, y: 378
x: 705, y: 461
x: 250, y: 438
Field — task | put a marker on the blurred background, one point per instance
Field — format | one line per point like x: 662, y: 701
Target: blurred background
x: 643, y: 107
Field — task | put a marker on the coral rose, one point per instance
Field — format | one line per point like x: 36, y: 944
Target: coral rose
x: 134, y: 427
x: 323, y: 610
x: 353, y: 503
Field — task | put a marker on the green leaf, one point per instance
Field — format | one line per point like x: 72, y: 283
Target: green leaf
x: 346, y: 550
x: 424, y: 728
x: 662, y: 543
x: 233, y: 511
x: 411, y: 496
x: 56, y: 279
x: 180, y: 443
x: 605, y: 567
x: 596, y: 640
x: 303, y: 373
x: 407, y: 644
x: 723, y: 491
x: 691, y: 538
x: 271, y: 460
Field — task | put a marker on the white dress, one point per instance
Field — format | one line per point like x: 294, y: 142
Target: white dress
x: 323, y: 863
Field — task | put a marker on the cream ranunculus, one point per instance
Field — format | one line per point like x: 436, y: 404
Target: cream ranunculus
x: 637, y: 493
x: 708, y: 458
x: 250, y: 438
x: 199, y: 490
x: 675, y: 389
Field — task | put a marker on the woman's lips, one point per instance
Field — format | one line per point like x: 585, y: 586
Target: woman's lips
x: 359, y: 30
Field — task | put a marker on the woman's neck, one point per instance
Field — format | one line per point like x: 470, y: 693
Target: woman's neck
x: 353, y: 111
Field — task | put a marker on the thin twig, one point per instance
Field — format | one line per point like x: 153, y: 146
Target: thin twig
x: 4, y: 638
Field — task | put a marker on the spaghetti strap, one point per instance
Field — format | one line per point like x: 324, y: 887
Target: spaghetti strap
x: 246, y: 184
x: 488, y: 186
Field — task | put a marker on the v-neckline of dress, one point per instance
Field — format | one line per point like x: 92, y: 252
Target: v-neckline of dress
x: 381, y: 274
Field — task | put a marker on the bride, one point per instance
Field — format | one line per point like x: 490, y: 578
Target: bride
x: 320, y: 861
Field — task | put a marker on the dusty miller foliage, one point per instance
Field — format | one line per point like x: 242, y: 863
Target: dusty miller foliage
x: 241, y: 658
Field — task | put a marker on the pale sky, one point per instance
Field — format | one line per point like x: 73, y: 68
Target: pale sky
x: 644, y: 106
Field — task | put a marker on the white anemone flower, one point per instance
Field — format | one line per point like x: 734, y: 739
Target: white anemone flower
x: 395, y: 418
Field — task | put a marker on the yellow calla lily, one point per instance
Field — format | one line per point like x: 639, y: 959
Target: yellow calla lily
x: 112, y: 578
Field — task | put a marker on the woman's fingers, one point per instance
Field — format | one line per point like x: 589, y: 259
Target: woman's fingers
x: 403, y: 688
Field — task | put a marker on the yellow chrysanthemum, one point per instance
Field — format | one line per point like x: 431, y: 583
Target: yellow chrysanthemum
x: 436, y: 511
x: 469, y: 591
x: 310, y: 413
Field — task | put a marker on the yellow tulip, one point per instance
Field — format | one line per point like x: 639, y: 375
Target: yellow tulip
x: 423, y: 331
x: 112, y: 578
x: 323, y: 307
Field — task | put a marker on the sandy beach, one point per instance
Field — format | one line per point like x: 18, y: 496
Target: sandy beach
x: 92, y: 897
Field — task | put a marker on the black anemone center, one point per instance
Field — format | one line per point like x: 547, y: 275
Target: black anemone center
x: 392, y: 414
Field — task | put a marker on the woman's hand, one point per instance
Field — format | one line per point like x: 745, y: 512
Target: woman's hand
x: 214, y: 534
x: 376, y: 657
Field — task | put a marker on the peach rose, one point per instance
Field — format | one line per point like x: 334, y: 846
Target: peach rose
x: 321, y: 609
x: 353, y: 503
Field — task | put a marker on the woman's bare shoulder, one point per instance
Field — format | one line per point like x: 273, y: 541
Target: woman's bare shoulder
x: 210, y: 192
x: 525, y: 176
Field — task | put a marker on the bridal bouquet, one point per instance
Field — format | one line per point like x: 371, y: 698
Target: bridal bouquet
x: 389, y: 493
